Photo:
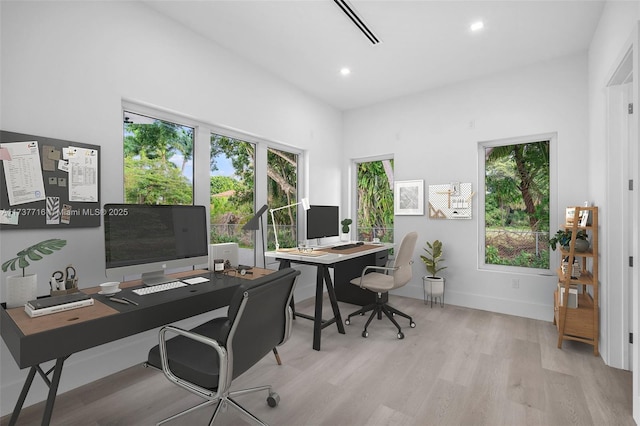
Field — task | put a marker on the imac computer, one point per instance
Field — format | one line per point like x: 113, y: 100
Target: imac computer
x: 148, y: 239
x: 322, y: 222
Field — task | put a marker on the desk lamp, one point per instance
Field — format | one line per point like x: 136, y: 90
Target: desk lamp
x: 305, y: 205
x: 255, y: 224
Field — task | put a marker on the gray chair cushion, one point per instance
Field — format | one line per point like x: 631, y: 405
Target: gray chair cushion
x: 191, y: 360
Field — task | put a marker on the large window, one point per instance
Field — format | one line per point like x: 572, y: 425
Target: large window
x: 517, y: 193
x: 158, y: 161
x: 282, y: 190
x: 232, y: 183
x: 374, y: 200
x: 244, y: 173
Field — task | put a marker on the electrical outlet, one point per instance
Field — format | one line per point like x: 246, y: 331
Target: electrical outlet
x: 515, y: 283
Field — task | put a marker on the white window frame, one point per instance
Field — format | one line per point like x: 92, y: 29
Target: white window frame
x: 552, y: 137
x: 353, y: 190
x: 201, y: 171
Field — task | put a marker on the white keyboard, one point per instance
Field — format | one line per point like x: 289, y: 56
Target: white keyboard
x: 159, y: 287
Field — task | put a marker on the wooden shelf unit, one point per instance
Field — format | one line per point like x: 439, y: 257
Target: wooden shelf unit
x: 582, y: 323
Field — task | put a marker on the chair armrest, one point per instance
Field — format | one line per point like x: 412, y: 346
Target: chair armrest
x: 222, y: 356
x: 288, y: 325
x: 386, y: 270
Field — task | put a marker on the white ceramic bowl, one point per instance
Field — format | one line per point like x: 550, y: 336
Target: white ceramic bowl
x: 110, y: 287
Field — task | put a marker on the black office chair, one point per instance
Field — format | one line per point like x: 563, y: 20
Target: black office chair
x: 386, y: 280
x: 206, y: 359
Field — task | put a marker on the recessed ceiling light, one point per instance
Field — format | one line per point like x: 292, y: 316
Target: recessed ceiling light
x: 477, y: 26
x: 345, y: 71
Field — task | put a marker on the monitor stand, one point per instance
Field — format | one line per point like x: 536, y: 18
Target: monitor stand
x: 319, y: 245
x: 155, y: 278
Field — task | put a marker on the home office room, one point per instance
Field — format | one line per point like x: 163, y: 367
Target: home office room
x: 388, y: 119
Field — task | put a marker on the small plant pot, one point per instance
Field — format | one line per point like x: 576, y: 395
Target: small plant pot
x: 581, y: 246
x: 433, y: 289
x: 21, y: 289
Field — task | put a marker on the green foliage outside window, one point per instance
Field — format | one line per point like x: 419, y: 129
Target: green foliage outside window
x: 375, y: 200
x: 154, y: 182
x: 517, y: 205
x: 155, y: 156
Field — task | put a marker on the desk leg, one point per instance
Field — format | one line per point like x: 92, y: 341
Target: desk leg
x: 334, y: 301
x: 317, y: 319
x: 51, y: 398
x: 53, y: 390
x: 23, y: 396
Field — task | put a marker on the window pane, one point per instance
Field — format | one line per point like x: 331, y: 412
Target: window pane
x: 375, y: 200
x: 232, y: 183
x: 158, y: 161
x: 282, y: 184
x: 517, y: 205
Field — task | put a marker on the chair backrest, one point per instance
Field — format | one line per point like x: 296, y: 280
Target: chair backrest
x: 403, y: 260
x: 260, y: 318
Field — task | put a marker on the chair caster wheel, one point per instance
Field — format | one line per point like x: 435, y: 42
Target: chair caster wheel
x: 400, y: 335
x: 365, y: 334
x: 361, y: 314
x: 347, y: 321
x: 273, y: 399
x: 412, y: 324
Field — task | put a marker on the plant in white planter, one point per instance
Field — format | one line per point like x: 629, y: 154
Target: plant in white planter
x: 432, y: 262
x: 345, y: 228
x: 22, y: 288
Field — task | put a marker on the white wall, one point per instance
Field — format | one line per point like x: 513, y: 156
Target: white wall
x: 434, y: 136
x: 67, y: 66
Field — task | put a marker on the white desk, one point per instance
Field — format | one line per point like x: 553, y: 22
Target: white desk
x: 329, y: 259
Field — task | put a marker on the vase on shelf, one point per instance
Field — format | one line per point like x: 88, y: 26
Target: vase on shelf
x: 581, y: 246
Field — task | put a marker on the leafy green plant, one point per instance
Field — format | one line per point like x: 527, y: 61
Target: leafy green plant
x: 563, y: 237
x: 33, y: 253
x: 345, y: 225
x: 433, y: 258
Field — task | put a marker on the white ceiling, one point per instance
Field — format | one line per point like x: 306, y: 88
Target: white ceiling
x: 424, y: 43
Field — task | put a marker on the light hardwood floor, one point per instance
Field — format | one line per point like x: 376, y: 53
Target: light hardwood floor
x: 457, y: 367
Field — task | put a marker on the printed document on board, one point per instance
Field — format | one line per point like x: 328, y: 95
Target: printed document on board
x: 23, y: 173
x: 83, y: 174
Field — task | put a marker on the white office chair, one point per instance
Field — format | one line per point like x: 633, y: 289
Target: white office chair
x: 386, y: 280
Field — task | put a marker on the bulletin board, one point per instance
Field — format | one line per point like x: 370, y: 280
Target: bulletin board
x: 450, y: 201
x: 48, y: 183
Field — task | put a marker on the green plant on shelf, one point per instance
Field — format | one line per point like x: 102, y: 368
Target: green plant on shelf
x: 563, y: 238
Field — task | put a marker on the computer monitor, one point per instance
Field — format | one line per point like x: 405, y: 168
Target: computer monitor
x: 322, y: 221
x: 148, y: 239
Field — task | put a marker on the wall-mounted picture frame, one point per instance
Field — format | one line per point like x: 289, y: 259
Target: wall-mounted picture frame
x: 408, y: 197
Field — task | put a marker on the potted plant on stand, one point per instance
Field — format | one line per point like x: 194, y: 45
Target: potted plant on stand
x: 345, y: 229
x: 563, y: 237
x: 22, y: 288
x: 433, y: 284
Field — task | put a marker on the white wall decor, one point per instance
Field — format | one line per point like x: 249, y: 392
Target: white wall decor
x: 408, y: 197
x: 450, y: 201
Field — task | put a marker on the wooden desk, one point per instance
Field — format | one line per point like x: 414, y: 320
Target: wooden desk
x: 33, y: 341
x: 323, y: 259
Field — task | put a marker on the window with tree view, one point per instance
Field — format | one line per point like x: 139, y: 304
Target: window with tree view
x: 232, y: 183
x: 517, y: 194
x: 374, y: 187
x: 282, y: 190
x: 158, y: 161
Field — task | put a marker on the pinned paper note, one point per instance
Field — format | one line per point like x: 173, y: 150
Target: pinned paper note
x: 23, y: 173
x: 9, y: 217
x: 53, y: 210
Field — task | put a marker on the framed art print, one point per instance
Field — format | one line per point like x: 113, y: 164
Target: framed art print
x: 408, y: 197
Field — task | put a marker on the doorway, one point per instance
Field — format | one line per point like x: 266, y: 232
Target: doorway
x: 620, y: 226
